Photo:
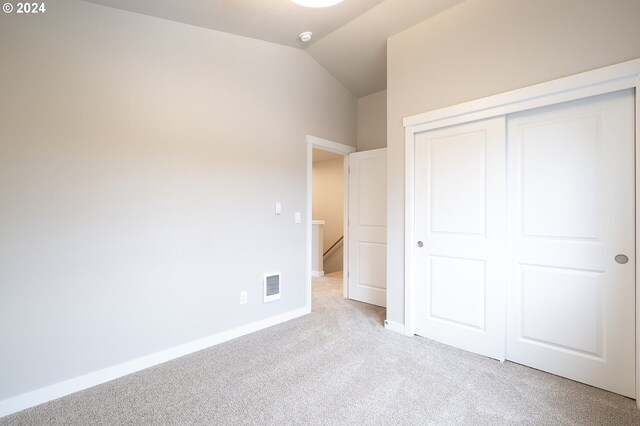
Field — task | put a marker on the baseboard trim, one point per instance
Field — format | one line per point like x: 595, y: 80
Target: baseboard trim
x: 317, y: 273
x: 394, y: 326
x: 58, y: 390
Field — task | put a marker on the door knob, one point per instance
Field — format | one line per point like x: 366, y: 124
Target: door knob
x: 420, y: 244
x: 621, y: 259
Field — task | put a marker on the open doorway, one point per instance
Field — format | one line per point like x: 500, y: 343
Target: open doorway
x: 327, y: 210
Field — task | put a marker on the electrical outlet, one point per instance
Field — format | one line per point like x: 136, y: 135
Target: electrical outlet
x: 243, y: 297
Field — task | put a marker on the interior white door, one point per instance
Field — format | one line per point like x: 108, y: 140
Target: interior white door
x: 571, y: 210
x: 368, y: 226
x: 460, y: 229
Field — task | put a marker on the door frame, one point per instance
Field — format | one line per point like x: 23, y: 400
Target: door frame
x: 609, y: 79
x: 340, y: 149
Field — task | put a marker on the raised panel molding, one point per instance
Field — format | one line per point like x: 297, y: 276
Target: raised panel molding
x: 375, y: 255
x: 559, y: 165
x: 370, y: 210
x: 457, y: 292
x: 458, y: 184
x: 547, y: 294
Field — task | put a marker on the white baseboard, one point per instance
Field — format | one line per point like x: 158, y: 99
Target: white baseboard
x: 58, y: 390
x: 394, y: 326
x: 317, y: 273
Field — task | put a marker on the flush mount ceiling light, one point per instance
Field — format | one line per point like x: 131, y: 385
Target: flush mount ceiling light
x: 317, y: 3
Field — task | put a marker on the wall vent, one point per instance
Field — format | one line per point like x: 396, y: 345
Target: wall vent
x: 271, y: 287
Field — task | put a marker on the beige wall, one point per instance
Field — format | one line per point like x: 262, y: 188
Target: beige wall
x: 372, y: 121
x: 328, y: 203
x: 140, y: 160
x: 484, y: 47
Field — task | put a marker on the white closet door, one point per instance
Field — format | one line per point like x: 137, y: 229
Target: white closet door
x: 571, y: 209
x: 460, y: 230
x: 368, y: 226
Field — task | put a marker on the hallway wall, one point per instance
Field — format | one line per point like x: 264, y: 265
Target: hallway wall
x: 328, y: 203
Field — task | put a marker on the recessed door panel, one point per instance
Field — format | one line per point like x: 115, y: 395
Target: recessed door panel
x: 560, y: 176
x: 458, y: 181
x: 457, y: 291
x: 372, y: 180
x: 372, y: 265
x: 562, y: 308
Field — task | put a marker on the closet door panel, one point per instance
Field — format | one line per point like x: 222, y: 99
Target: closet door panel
x: 460, y: 236
x: 571, y: 307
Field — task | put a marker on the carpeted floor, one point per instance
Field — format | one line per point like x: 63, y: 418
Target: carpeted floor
x: 337, y: 365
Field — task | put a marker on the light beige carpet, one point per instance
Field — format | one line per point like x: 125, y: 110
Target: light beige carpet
x: 337, y: 365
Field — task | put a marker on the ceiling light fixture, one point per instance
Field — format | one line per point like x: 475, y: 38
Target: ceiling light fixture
x: 317, y: 3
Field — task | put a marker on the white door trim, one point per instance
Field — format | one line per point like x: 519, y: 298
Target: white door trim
x: 583, y: 85
x: 609, y: 79
x: 344, y: 150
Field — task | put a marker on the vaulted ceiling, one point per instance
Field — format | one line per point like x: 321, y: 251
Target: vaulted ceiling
x: 349, y: 39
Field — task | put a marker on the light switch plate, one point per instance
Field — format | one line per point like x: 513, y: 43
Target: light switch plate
x: 298, y: 217
x: 278, y: 207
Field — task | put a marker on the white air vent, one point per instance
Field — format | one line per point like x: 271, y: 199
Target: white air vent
x: 271, y: 287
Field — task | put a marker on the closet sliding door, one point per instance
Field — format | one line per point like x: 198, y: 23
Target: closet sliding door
x: 460, y: 230
x: 525, y: 238
x: 571, y: 308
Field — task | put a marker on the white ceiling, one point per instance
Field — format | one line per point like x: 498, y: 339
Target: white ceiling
x: 278, y: 21
x: 356, y: 53
x: 349, y: 39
